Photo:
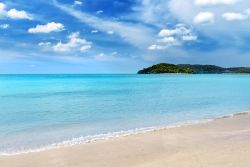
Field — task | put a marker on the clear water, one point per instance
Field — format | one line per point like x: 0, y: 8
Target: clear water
x: 39, y: 110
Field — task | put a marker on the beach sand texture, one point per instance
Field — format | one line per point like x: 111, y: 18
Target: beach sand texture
x: 220, y: 143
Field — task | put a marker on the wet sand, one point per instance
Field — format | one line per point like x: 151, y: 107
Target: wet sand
x: 220, y: 143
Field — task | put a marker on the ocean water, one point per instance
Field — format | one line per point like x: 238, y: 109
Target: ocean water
x: 41, y: 111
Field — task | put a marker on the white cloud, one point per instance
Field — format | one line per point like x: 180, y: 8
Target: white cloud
x: 14, y: 13
x: 176, y: 34
x: 2, y: 8
x: 215, y: 2
x: 101, y: 55
x: 224, y: 33
x: 114, y: 53
x: 50, y: 27
x: 189, y: 38
x: 4, y: 26
x: 75, y: 43
x: 166, y: 32
x: 85, y: 47
x: 94, y: 31
x: 179, y: 30
x: 204, y: 18
x: 156, y: 47
x: 77, y: 3
x: 47, y: 44
x: 110, y: 32
x: 108, y: 57
x: 18, y: 14
x: 247, y: 12
x: 173, y: 37
x: 99, y: 12
x: 234, y: 16
x: 154, y: 12
x: 135, y: 33
x: 167, y: 40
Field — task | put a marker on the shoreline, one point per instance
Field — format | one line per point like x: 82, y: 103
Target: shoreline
x: 118, y: 135
x: 222, y: 142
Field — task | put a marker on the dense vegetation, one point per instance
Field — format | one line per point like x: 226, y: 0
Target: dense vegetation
x: 191, y: 69
x: 204, y: 69
x: 165, y: 68
x: 239, y: 70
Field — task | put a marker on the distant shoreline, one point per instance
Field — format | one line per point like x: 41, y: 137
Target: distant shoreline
x: 164, y: 68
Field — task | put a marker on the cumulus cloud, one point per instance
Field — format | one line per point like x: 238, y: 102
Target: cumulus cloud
x: 204, y: 18
x: 75, y: 43
x: 215, y: 2
x: 18, y: 14
x: 173, y: 37
x: 47, y: 28
x: 179, y: 30
x: 225, y: 34
x: 14, y: 13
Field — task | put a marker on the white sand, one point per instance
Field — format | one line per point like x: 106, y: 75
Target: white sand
x: 220, y: 143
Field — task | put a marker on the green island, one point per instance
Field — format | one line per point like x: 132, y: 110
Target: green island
x: 164, y: 68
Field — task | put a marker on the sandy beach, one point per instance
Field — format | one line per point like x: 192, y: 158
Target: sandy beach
x: 223, y: 142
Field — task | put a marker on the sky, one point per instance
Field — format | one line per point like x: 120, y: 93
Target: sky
x: 121, y: 36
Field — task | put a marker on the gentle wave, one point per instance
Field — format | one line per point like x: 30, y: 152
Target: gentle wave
x: 107, y: 136
x: 100, y: 137
x: 234, y: 115
x: 113, y: 135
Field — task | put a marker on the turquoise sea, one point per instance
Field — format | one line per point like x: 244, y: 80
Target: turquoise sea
x: 45, y: 111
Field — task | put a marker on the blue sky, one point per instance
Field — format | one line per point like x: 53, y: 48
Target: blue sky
x: 121, y: 36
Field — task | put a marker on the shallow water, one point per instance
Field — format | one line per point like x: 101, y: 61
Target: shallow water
x: 39, y: 110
